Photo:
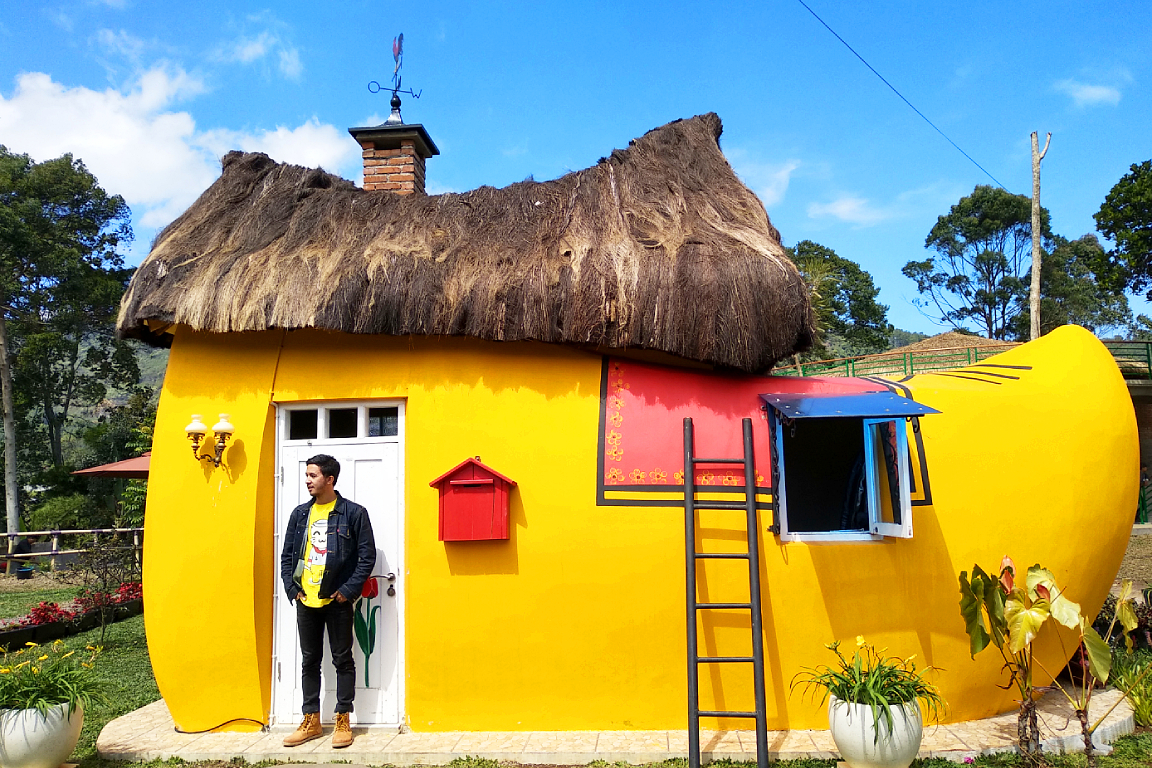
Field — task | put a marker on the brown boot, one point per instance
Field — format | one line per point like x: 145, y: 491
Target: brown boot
x: 342, y: 737
x: 308, y: 730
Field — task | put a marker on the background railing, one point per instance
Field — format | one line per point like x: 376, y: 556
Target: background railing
x: 54, y: 554
x: 1133, y: 358
x: 894, y: 364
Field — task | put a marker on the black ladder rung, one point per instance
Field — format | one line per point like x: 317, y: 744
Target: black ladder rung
x: 746, y: 606
x: 717, y: 461
x: 721, y: 555
x: 723, y: 659
x: 720, y: 505
x: 704, y: 713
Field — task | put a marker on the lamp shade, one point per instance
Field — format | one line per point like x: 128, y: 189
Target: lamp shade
x: 196, y: 427
x: 223, y: 427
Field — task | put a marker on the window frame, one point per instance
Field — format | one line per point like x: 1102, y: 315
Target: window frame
x: 863, y: 408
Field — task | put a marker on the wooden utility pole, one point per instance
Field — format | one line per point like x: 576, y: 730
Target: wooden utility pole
x: 1034, y: 294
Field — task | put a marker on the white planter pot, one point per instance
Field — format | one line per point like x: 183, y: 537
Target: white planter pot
x: 31, y: 740
x: 855, y: 736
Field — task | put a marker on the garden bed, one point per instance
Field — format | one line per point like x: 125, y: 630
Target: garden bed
x: 15, y: 636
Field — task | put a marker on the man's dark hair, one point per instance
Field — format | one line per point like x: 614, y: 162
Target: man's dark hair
x: 327, y: 465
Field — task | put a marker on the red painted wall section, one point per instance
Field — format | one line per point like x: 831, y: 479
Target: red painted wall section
x: 643, y: 410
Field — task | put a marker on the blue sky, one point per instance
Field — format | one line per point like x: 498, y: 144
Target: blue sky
x: 150, y: 95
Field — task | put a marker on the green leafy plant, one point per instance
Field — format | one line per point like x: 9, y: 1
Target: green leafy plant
x: 1130, y: 674
x: 873, y: 680
x: 1001, y: 612
x: 41, y: 677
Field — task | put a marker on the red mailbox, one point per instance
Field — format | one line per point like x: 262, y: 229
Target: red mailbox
x: 473, y: 502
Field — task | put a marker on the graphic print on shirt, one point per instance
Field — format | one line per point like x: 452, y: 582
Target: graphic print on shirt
x: 315, y: 555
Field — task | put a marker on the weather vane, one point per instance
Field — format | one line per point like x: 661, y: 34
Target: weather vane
x: 374, y: 87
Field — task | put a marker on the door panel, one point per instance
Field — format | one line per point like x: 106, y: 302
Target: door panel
x: 370, y: 472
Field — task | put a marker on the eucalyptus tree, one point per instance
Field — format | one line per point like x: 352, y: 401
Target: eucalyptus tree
x: 61, y: 279
x: 980, y: 273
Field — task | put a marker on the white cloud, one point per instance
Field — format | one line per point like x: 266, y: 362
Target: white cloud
x: 140, y: 147
x: 271, y: 41
x: 290, y: 65
x: 768, y: 180
x: 248, y: 49
x: 311, y: 144
x: 1085, y: 95
x: 854, y: 210
x: 120, y: 43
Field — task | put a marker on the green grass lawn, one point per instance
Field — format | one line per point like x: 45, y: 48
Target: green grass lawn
x: 14, y: 604
x: 126, y: 672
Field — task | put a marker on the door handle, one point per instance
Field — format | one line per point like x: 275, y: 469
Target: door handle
x: 391, y: 577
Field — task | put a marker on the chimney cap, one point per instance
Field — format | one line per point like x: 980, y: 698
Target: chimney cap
x: 390, y: 137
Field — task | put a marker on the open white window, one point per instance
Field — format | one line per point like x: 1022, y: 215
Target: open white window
x: 840, y: 465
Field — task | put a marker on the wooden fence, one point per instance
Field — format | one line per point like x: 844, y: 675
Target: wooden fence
x: 53, y: 555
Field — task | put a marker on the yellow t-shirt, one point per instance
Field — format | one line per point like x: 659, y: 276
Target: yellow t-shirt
x: 315, y: 554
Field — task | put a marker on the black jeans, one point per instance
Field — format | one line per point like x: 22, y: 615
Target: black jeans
x: 336, y: 617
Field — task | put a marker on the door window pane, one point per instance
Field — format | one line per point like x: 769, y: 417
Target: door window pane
x: 341, y: 422
x: 383, y: 422
x: 302, y: 425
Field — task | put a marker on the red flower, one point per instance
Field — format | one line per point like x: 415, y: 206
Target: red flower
x: 371, y: 588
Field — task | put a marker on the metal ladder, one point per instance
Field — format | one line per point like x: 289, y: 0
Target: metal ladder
x: 752, y: 557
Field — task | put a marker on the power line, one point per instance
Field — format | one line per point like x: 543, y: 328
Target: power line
x: 910, y: 104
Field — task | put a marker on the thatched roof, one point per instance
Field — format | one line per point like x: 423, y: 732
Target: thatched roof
x: 658, y: 246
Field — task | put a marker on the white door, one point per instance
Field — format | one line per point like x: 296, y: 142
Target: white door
x: 367, y: 440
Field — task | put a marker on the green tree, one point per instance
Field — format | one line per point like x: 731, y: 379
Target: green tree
x: 850, y: 320
x: 1070, y: 293
x: 980, y: 274
x: 1125, y: 218
x: 60, y: 283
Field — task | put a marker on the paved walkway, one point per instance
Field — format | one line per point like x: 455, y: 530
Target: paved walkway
x: 148, y: 733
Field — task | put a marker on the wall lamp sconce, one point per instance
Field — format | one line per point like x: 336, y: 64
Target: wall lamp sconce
x: 196, y: 430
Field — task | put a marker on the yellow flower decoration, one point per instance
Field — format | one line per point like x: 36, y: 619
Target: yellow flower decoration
x: 615, y: 475
x: 615, y: 419
x: 729, y: 479
x: 678, y: 476
x: 613, y: 438
x: 637, y: 476
x: 759, y: 479
x: 614, y: 453
x: 706, y: 478
x: 659, y: 476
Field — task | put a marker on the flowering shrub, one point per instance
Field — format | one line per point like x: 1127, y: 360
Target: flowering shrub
x: 94, y: 600
x: 129, y: 590
x: 40, y: 677
x: 47, y: 613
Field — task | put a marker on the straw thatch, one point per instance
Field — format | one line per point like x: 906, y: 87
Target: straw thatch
x: 658, y: 246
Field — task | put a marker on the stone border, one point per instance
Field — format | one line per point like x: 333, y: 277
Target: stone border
x: 149, y: 733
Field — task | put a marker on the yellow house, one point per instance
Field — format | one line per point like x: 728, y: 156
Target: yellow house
x: 559, y: 334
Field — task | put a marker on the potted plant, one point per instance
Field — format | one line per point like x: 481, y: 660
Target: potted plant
x: 43, y: 692
x: 874, y: 705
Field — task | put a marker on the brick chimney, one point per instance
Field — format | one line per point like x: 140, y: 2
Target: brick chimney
x: 394, y: 154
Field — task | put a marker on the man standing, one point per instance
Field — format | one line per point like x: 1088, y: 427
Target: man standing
x: 328, y: 554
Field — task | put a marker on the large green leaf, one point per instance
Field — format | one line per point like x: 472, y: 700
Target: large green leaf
x: 970, y: 610
x: 994, y: 605
x: 1024, y: 622
x: 1099, y: 654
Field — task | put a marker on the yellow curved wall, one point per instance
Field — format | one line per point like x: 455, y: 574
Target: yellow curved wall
x: 576, y: 622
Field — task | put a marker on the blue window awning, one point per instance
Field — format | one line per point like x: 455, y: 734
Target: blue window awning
x: 868, y: 405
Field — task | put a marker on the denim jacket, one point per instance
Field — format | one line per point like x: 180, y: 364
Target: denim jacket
x: 351, y: 549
